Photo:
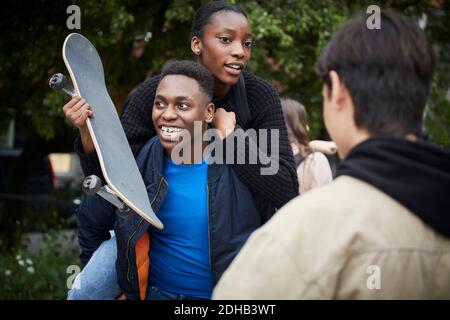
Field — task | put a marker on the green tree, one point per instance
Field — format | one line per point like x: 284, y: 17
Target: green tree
x: 134, y: 39
x: 289, y: 35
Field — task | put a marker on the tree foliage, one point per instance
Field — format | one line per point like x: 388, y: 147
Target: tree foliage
x: 289, y: 35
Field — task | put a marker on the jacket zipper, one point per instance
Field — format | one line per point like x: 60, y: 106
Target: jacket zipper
x: 135, y: 231
x: 128, y: 246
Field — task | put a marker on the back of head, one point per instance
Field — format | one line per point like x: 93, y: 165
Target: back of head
x: 192, y: 70
x: 388, y: 72
x: 204, y: 13
x: 296, y: 122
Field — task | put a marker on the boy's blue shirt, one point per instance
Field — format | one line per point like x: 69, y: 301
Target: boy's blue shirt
x: 179, y: 253
x: 232, y: 217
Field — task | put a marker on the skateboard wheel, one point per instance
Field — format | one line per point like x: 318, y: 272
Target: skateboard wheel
x: 125, y: 212
x: 91, y: 184
x: 58, y: 81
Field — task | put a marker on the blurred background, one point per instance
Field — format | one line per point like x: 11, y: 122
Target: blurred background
x: 40, y: 177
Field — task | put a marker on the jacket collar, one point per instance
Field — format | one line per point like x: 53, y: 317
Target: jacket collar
x: 153, y: 162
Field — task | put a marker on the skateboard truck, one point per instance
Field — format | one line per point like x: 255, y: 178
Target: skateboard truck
x: 58, y: 82
x: 93, y: 185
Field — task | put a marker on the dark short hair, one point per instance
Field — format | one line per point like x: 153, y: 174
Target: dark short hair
x: 192, y: 70
x: 204, y: 13
x: 388, y: 71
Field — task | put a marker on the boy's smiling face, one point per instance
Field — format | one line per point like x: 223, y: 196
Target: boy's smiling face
x: 179, y: 102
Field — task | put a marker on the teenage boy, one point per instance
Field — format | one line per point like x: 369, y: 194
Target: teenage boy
x: 207, y: 212
x: 382, y: 228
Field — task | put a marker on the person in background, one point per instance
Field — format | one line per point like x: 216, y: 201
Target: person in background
x: 313, y: 169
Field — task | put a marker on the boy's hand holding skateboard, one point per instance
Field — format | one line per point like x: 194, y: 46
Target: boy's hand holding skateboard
x: 76, y: 111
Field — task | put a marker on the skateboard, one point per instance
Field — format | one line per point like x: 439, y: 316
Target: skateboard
x: 124, y: 187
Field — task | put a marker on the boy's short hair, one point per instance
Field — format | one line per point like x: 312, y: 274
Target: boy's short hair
x: 388, y: 72
x: 192, y: 70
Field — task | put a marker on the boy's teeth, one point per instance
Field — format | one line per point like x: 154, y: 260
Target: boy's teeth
x: 170, y: 130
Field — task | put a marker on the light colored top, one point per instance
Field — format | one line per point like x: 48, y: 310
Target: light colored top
x: 313, y: 172
x: 347, y: 240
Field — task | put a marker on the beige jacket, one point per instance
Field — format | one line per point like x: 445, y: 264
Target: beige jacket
x: 346, y: 240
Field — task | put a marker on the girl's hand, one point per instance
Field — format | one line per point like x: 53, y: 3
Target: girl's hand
x: 224, y: 121
x: 326, y: 147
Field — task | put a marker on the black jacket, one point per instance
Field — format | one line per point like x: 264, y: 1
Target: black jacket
x: 231, y: 212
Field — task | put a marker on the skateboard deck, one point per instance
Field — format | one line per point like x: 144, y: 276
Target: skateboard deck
x: 117, y: 162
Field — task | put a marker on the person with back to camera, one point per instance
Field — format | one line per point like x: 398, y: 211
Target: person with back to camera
x: 381, y: 229
x: 313, y: 169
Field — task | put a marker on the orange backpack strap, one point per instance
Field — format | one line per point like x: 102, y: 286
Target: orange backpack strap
x: 143, y: 263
